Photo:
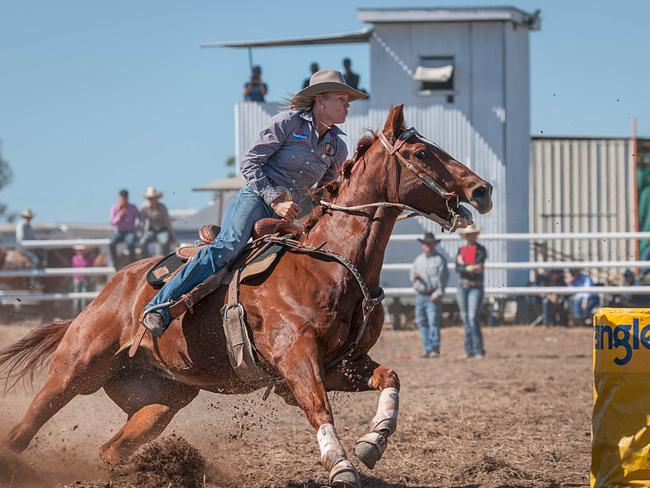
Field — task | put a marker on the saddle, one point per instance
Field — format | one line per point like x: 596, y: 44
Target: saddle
x: 164, y: 269
x: 256, y: 260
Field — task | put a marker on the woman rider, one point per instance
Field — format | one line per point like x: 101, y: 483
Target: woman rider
x: 300, y: 148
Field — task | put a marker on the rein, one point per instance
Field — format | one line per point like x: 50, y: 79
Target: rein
x: 448, y: 225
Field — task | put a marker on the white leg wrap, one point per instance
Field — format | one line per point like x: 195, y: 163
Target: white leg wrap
x: 387, y: 410
x: 331, y: 450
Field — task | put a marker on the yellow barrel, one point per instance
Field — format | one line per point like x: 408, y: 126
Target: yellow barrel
x: 621, y: 418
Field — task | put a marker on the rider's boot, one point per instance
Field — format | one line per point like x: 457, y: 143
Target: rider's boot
x: 155, y: 322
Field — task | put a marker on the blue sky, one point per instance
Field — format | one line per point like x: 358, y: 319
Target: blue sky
x: 96, y: 96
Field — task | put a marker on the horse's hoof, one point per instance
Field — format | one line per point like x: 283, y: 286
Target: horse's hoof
x: 370, y: 448
x: 344, y: 475
x: 109, y: 457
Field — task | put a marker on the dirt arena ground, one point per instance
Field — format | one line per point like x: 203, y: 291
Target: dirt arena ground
x: 518, y: 418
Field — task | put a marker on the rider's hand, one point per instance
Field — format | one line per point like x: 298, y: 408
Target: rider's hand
x: 287, y: 209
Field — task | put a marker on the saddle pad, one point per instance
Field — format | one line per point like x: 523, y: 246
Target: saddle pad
x: 159, y: 274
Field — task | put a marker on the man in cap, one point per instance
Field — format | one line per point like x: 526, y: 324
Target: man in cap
x: 429, y: 277
x: 470, y: 263
x: 255, y: 89
x: 124, y: 216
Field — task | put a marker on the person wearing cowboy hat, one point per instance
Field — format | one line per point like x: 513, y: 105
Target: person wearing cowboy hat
x: 429, y: 277
x: 25, y: 232
x: 470, y: 262
x: 301, y: 147
x: 155, y: 222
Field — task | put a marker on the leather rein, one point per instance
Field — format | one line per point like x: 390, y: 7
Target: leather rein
x: 393, y: 149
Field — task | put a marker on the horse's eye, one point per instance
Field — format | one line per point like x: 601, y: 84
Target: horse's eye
x: 421, y: 155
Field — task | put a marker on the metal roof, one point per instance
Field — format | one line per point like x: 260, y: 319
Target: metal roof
x: 449, y: 14
x: 234, y: 183
x: 344, y: 38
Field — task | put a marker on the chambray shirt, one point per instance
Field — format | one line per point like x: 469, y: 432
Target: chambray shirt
x: 287, y: 155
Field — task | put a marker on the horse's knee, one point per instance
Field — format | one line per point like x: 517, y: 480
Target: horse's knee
x: 384, y: 377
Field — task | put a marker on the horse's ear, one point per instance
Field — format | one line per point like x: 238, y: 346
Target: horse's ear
x: 395, y: 122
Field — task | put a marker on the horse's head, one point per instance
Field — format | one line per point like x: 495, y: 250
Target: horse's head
x: 424, y: 176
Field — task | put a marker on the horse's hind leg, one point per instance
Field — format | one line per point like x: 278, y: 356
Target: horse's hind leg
x: 301, y: 368
x: 150, y: 403
x: 365, y: 374
x: 80, y: 366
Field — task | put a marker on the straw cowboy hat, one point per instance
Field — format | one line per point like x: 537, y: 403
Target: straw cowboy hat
x: 27, y: 213
x: 79, y: 247
x: 153, y: 193
x: 429, y: 238
x: 328, y: 80
x: 470, y: 229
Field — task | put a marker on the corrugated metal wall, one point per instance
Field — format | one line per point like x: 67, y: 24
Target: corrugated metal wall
x: 583, y: 185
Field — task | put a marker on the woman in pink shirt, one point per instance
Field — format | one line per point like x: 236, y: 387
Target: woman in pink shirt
x: 80, y: 281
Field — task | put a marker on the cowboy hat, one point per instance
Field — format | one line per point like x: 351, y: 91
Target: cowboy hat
x: 27, y: 213
x: 79, y: 247
x: 470, y: 229
x: 153, y: 193
x: 429, y: 238
x: 328, y: 80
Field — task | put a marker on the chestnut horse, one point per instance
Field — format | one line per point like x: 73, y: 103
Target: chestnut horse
x: 303, y: 315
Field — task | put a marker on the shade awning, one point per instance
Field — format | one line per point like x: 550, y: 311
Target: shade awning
x: 439, y: 74
x: 222, y: 184
x: 344, y: 38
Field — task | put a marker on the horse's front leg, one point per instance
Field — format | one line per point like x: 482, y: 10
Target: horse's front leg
x: 365, y: 374
x: 301, y: 368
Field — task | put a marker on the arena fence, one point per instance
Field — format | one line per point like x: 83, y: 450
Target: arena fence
x: 391, y: 267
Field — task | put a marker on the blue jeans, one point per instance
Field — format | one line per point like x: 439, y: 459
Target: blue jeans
x: 577, y: 312
x: 427, y: 318
x: 163, y: 238
x: 469, y: 303
x: 236, y: 228
x: 126, y: 236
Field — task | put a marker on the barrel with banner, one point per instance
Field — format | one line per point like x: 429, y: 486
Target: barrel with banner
x: 621, y: 415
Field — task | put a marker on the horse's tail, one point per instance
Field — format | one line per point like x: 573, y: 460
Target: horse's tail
x: 31, y: 353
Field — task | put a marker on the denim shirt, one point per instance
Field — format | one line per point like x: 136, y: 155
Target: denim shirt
x: 287, y: 155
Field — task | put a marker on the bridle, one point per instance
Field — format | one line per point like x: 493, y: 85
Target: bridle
x: 393, y: 150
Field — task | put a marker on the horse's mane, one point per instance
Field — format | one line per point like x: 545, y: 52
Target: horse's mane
x: 331, y: 190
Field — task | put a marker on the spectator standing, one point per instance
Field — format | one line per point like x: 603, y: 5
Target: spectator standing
x: 25, y: 232
x: 156, y: 223
x: 469, y: 265
x: 629, y: 299
x: 313, y: 69
x: 429, y: 277
x: 351, y: 78
x: 254, y: 89
x: 582, y: 303
x: 124, y: 216
x: 553, y: 305
x: 80, y: 281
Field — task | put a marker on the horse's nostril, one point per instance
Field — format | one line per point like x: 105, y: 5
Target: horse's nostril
x: 480, y: 194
